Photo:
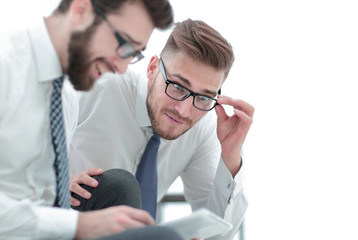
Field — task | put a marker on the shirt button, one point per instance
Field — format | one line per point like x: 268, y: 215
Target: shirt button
x: 229, y: 185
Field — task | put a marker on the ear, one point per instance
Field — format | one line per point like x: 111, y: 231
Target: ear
x: 81, y: 14
x: 152, y: 69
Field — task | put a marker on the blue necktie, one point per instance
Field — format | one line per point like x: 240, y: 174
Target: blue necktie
x: 59, y: 144
x: 147, y: 175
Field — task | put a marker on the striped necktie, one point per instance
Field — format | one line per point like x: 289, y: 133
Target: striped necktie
x: 147, y: 175
x: 59, y: 144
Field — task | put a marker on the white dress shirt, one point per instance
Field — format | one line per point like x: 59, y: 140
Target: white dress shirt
x: 28, y: 64
x: 114, y: 128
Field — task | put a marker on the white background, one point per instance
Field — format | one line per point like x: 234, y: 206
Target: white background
x: 297, y: 63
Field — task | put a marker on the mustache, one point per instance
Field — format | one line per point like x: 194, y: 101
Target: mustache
x: 177, y: 116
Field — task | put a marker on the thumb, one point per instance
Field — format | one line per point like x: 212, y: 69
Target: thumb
x: 220, y: 112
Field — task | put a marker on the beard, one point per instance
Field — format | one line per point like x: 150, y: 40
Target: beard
x: 79, y: 63
x: 152, y: 109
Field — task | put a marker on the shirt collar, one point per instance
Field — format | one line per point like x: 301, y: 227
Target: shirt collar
x: 141, y: 112
x: 47, y: 62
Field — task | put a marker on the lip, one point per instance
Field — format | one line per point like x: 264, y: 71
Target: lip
x: 173, y: 120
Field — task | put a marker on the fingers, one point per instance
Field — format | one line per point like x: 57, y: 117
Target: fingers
x: 75, y: 202
x: 76, y: 188
x: 142, y: 216
x: 237, y: 104
x: 220, y: 112
x: 86, y: 179
x: 136, y: 217
x: 245, y: 119
x: 110, y: 220
x: 94, y: 171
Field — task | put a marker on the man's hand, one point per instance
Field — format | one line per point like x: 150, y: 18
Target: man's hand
x: 94, y: 224
x: 232, y: 130
x: 86, y: 179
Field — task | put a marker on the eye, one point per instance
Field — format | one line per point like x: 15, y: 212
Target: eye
x: 179, y: 88
x: 203, y: 99
x: 126, y: 50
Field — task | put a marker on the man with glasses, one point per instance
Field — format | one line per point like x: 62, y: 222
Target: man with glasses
x: 36, y: 114
x: 175, y: 99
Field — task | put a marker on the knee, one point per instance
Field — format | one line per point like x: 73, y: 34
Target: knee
x: 120, y: 179
x: 163, y: 233
x: 168, y: 233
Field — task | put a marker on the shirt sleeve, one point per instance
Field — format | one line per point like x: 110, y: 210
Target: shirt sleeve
x: 25, y: 220
x: 208, y: 183
x: 228, y: 199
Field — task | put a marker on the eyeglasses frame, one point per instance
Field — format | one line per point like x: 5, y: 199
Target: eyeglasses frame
x: 121, y: 41
x: 191, y: 93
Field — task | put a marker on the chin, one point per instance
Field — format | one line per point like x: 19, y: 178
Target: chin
x: 84, y: 85
x: 170, y: 134
x: 91, y: 81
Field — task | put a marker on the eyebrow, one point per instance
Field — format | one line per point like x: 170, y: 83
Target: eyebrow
x: 186, y: 81
x: 131, y: 40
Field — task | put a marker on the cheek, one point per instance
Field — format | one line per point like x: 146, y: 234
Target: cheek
x: 101, y: 47
x: 102, y: 52
x: 162, y: 104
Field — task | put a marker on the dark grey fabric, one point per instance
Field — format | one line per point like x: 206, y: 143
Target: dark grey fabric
x: 145, y: 233
x: 115, y: 187
x: 120, y: 187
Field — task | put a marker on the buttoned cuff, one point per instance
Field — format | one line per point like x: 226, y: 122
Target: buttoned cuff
x: 228, y: 186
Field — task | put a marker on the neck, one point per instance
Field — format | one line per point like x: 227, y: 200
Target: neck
x: 58, y: 29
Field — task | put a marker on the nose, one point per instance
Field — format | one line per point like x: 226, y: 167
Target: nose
x: 120, y: 64
x: 184, y: 107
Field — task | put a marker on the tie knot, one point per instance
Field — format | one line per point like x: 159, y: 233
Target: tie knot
x: 57, y: 84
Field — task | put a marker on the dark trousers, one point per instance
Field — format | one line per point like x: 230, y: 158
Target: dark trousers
x: 145, y: 233
x: 115, y: 187
x: 120, y: 187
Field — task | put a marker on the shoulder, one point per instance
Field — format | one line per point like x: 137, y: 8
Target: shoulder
x: 119, y: 83
x: 109, y: 94
x: 12, y: 46
x: 16, y: 61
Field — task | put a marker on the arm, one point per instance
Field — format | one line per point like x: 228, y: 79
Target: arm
x: 94, y: 224
x: 23, y: 219
x: 209, y: 184
x: 21, y: 216
x: 216, y: 168
x: 232, y: 130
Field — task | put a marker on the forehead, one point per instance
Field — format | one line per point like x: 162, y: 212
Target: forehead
x: 195, y: 75
x: 133, y: 22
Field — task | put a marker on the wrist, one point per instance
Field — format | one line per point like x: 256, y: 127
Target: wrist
x: 233, y: 164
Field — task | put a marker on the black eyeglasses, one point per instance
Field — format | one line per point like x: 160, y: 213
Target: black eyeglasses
x: 124, y: 49
x: 180, y: 93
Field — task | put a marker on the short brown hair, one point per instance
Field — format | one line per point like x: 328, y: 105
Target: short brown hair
x: 201, y: 42
x: 160, y: 11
